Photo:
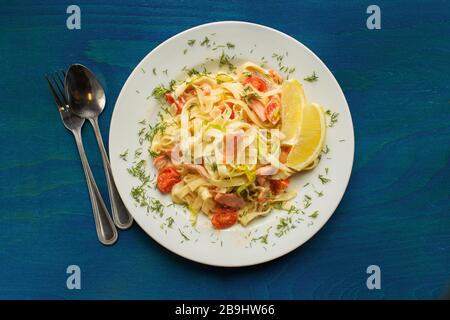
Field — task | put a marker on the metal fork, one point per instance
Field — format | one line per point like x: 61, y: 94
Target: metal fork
x: 106, y: 231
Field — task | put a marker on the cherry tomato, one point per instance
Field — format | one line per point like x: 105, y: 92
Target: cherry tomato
x: 224, y: 218
x: 273, y: 110
x: 167, y: 179
x: 257, y: 83
x: 279, y: 186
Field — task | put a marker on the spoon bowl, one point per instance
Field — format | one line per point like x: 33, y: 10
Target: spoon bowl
x: 85, y: 93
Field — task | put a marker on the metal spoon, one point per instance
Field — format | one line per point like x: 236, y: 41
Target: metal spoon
x: 87, y: 100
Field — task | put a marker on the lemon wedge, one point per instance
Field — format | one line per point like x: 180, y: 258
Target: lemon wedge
x: 293, y: 101
x: 310, y: 140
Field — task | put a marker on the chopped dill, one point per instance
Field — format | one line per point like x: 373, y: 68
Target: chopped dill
x: 225, y: 60
x: 311, y: 78
x: 191, y: 42
x: 333, y: 118
x: 138, y: 171
x: 284, y: 226
x: 183, y: 235
x: 324, y: 179
x: 205, y: 42
x: 156, y: 206
x: 184, y: 51
x: 170, y: 222
x: 154, y: 71
x: 230, y: 45
x: 160, y: 91
x: 314, y: 214
x: 192, y: 72
x: 263, y: 62
x: 293, y: 209
x: 165, y: 72
x: 262, y: 239
x: 319, y: 193
x: 137, y: 153
x: 307, y: 201
x: 124, y: 155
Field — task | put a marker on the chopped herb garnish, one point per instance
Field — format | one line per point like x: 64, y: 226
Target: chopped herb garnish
x: 143, y: 70
x: 138, y: 153
x: 307, y: 201
x: 160, y: 91
x: 138, y: 171
x: 311, y: 78
x: 333, y: 117
x: 284, y: 226
x: 326, y: 149
x: 262, y: 239
x: 326, y: 171
x: 191, y: 42
x: 324, y: 179
x: 314, y: 214
x: 205, y: 42
x: 156, y: 206
x: 170, y: 222
x: 319, y: 193
x: 293, y: 209
x: 154, y: 71
x: 192, y: 72
x: 225, y: 60
x: 183, y: 235
x: 124, y: 155
x: 184, y: 51
x: 230, y: 45
x: 263, y: 62
x: 165, y: 72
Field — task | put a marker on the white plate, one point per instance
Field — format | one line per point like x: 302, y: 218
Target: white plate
x: 237, y: 246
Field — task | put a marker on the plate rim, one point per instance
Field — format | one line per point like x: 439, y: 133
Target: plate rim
x: 281, y: 252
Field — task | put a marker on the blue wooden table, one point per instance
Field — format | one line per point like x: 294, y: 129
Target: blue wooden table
x: 395, y: 214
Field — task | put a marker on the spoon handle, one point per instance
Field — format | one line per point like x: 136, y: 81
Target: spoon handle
x: 106, y: 231
x: 121, y: 216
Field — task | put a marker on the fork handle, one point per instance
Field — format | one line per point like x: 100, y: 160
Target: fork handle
x: 121, y: 216
x: 106, y: 231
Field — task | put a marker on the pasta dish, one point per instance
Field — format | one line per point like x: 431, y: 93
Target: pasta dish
x: 228, y: 142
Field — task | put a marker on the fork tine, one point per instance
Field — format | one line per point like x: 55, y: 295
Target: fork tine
x: 61, y: 79
x: 60, y: 88
x: 55, y: 95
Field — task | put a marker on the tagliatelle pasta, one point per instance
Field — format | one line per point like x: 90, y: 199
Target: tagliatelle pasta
x: 219, y: 149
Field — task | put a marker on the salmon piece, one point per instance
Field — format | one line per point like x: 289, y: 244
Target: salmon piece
x: 160, y: 162
x: 259, y: 109
x: 230, y: 200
